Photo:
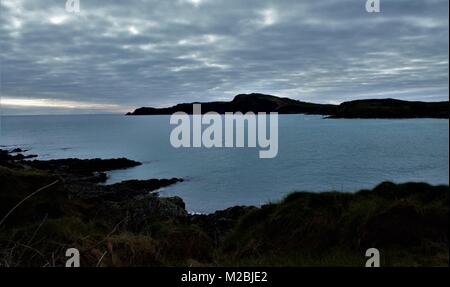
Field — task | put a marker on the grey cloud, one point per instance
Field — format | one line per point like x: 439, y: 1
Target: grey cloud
x: 136, y: 53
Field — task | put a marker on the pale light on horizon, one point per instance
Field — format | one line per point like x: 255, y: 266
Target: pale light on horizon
x: 53, y: 103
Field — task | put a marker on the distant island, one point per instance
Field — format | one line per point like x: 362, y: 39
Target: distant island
x: 370, y: 108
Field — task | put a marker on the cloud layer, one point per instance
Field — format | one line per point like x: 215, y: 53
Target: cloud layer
x: 117, y: 55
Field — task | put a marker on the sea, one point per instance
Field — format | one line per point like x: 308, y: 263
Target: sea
x: 314, y: 154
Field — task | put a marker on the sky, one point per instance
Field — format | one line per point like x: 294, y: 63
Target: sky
x: 115, y: 56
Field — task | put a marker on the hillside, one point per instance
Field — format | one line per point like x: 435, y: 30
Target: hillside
x: 244, y: 103
x: 391, y: 108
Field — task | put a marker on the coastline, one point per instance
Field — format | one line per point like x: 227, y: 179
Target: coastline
x: 304, y: 229
x: 355, y: 109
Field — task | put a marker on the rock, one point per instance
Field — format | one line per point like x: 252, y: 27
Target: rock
x: 178, y: 201
x: 83, y: 166
x: 137, y: 212
x: 221, y: 222
x: 6, y: 157
x: 16, y: 150
x: 122, y: 191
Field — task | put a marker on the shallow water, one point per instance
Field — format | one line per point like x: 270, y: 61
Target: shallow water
x: 315, y: 154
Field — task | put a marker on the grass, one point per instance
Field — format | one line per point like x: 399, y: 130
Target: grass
x: 408, y: 223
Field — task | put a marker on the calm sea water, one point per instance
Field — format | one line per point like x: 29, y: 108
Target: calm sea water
x: 315, y: 154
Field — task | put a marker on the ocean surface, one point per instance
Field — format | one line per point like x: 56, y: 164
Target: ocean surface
x: 315, y: 154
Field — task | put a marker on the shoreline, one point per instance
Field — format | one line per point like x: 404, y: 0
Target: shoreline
x: 408, y: 222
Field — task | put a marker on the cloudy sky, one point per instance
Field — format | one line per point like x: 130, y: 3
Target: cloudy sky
x: 114, y: 56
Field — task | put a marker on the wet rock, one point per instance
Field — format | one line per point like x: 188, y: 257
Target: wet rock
x: 6, y: 158
x: 16, y: 150
x: 83, y: 166
x: 122, y: 191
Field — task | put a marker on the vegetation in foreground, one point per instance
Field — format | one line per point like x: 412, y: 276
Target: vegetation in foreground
x: 408, y: 223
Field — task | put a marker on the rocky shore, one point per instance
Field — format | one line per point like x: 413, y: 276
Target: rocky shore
x: 131, y: 207
x: 49, y: 206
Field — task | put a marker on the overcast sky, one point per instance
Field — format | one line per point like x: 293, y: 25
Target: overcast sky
x: 115, y: 56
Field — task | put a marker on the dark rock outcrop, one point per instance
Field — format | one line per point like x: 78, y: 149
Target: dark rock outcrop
x: 130, y: 202
x: 7, y: 158
x: 15, y: 150
x: 86, y: 170
x: 122, y: 191
x: 83, y: 166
